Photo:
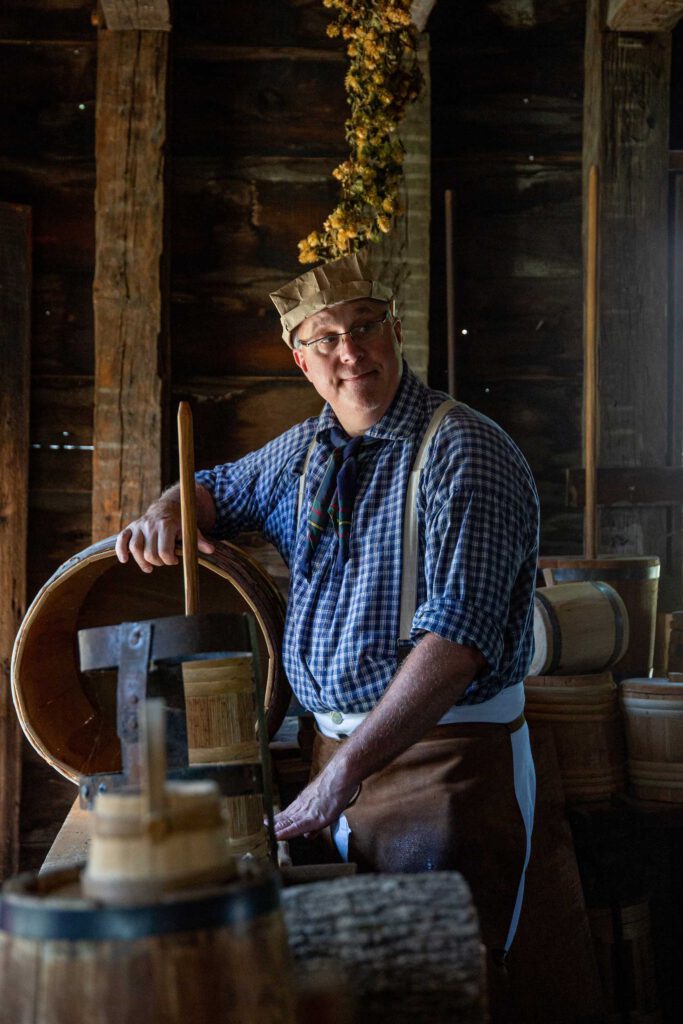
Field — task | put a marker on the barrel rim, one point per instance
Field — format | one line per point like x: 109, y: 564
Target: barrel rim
x: 28, y: 916
x: 276, y: 686
x: 571, y: 574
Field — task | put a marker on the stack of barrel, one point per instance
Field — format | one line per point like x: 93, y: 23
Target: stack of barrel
x: 581, y: 630
x: 653, y: 720
x: 594, y: 624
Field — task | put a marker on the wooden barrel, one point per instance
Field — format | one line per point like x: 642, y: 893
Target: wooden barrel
x: 653, y: 723
x: 133, y: 857
x: 70, y: 718
x: 578, y: 628
x: 625, y: 957
x: 636, y: 580
x: 211, y: 954
x: 222, y: 729
x: 407, y: 945
x: 583, y: 713
x: 674, y: 660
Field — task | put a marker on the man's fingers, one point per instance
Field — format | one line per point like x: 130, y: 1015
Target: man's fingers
x: 289, y: 824
x: 205, y: 545
x: 136, y: 546
x: 168, y: 534
x: 122, y: 544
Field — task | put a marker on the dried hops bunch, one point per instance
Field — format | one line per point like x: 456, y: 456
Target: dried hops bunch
x: 383, y: 78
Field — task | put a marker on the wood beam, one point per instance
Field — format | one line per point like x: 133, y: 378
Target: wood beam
x: 644, y: 15
x: 140, y: 15
x: 626, y: 127
x: 131, y: 359
x: 629, y: 485
x: 15, y: 339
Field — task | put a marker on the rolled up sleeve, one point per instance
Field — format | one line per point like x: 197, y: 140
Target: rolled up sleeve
x: 475, y: 547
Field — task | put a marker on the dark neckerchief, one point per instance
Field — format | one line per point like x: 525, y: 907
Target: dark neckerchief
x: 335, y: 497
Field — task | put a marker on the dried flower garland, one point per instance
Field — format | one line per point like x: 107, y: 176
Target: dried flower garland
x: 383, y: 78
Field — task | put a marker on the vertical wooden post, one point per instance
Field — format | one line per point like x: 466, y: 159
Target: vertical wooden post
x: 15, y: 339
x: 130, y: 324
x: 626, y: 126
x: 590, y: 371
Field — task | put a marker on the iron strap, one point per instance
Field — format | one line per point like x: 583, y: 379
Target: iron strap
x: 29, y: 916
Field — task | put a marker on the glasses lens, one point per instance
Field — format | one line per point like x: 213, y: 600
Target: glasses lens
x: 361, y: 333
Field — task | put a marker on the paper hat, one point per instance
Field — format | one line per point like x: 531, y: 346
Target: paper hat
x: 348, y: 277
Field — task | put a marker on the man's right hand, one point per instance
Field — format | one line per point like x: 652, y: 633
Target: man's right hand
x: 152, y: 538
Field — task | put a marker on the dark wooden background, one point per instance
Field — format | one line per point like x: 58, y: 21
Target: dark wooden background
x: 256, y: 125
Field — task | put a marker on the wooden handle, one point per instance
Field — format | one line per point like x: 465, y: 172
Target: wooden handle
x: 153, y: 737
x: 188, y: 508
x: 590, y: 410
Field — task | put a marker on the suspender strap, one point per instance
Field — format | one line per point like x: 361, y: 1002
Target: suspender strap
x: 410, y: 531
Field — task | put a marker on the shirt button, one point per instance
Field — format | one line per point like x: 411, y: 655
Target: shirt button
x: 337, y: 717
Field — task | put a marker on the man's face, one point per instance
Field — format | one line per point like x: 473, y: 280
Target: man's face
x: 358, y: 378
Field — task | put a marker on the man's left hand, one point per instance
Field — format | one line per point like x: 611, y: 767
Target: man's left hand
x: 321, y: 803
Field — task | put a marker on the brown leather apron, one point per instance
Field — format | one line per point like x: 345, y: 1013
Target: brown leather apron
x: 447, y: 803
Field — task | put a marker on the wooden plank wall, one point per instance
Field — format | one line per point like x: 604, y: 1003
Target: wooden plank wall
x: 257, y: 110
x: 506, y: 137
x: 47, y: 60
x: 47, y: 72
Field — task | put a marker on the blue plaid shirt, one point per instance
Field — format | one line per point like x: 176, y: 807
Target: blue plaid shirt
x: 478, y: 530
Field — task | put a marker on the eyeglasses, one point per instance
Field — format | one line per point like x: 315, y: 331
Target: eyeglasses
x: 361, y: 334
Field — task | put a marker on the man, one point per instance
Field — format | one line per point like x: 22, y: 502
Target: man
x: 422, y: 758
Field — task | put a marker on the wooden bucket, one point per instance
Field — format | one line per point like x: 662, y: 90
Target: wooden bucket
x: 133, y: 857
x: 211, y: 954
x: 578, y: 628
x: 222, y: 729
x: 636, y: 580
x: 653, y: 722
x: 70, y: 718
x: 674, y: 660
x: 583, y: 713
x: 625, y: 957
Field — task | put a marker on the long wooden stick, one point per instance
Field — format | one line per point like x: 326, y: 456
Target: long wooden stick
x: 188, y: 508
x: 450, y: 290
x: 590, y: 398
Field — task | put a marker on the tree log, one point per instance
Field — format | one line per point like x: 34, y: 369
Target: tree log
x: 408, y: 945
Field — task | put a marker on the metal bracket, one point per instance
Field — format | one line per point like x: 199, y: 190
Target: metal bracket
x: 135, y: 640
x: 231, y: 779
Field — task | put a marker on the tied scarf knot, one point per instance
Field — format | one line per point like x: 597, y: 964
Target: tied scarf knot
x: 335, y: 498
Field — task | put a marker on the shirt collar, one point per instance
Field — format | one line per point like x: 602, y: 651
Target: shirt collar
x: 401, y: 419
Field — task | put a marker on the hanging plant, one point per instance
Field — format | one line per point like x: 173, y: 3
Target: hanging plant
x: 383, y: 78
